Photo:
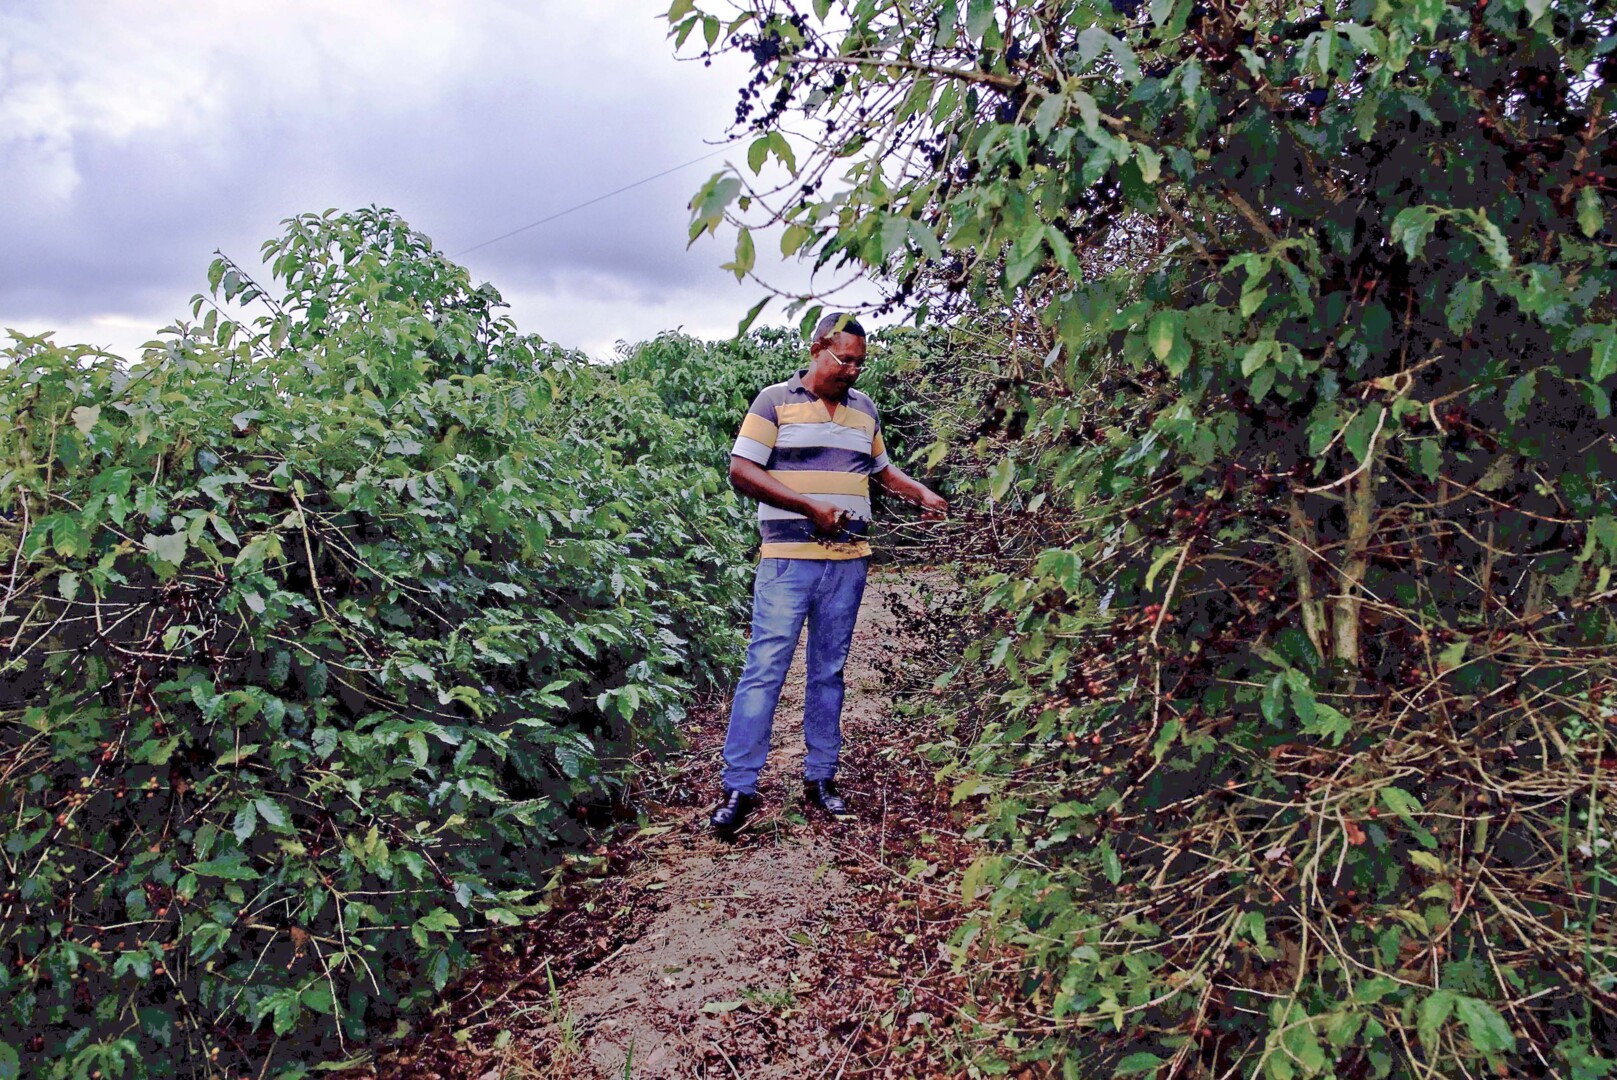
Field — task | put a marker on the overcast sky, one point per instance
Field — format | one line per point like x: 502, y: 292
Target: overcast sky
x: 138, y: 136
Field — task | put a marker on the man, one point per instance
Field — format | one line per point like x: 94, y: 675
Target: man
x: 807, y: 451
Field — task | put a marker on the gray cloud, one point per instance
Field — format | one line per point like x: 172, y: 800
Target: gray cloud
x: 127, y: 166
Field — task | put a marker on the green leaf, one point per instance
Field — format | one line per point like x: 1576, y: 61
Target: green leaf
x: 895, y: 234
x: 1162, y: 11
x: 1150, y: 163
x: 1603, y: 357
x: 1400, y: 801
x: 745, y: 256
x: 1257, y: 355
x: 1171, y: 730
x: 1357, y: 436
x: 1025, y: 255
x: 1139, y: 1063
x: 1519, y: 396
x: 438, y: 969
x: 1049, y: 114
x: 1426, y: 861
x: 271, y: 812
x: 1263, y: 382
x: 783, y: 150
x: 927, y: 239
x: 794, y: 237
x: 1110, y: 864
x: 436, y: 921
x: 238, y: 754
x: 1089, y: 112
x: 1488, y: 1030
x: 972, y: 880
x: 10, y: 1066
x: 1001, y: 479
x: 1488, y: 235
x: 1465, y: 301
x: 1163, y: 558
x: 1303, y: 1045
x: 1412, y: 226
x: 232, y: 867
x: 1256, y: 928
x: 169, y: 549
x: 1431, y: 458
x: 810, y: 318
x: 1434, y: 1012
x: 1591, y: 215
x: 1330, y: 723
x: 1273, y: 701
x: 1373, y: 990
x: 1406, y: 806
x: 154, y: 751
x: 720, y: 1007
x: 246, y: 822
x: 1163, y: 333
x: 979, y: 17
x: 317, y: 998
x: 1253, y: 294
x: 751, y: 316
x: 756, y: 153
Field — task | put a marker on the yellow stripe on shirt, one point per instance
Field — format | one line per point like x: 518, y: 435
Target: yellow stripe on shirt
x: 800, y: 412
x: 819, y: 482
x: 757, y: 428
x: 850, y: 417
x: 811, y: 550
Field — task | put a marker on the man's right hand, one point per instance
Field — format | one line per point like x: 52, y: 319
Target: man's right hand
x: 828, y: 520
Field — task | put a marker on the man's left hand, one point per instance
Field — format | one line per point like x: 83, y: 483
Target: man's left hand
x: 934, y: 507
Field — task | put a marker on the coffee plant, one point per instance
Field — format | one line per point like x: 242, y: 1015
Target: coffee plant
x: 1298, y: 756
x: 328, y: 628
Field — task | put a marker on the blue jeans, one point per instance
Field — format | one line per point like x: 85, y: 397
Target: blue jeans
x: 826, y: 593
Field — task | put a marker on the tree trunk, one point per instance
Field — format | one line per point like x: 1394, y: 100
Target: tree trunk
x: 1360, y: 507
x: 1300, y: 550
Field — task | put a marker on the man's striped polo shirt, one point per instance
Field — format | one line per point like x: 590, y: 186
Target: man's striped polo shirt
x: 790, y: 432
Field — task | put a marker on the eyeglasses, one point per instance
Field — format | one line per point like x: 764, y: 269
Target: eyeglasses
x: 856, y: 364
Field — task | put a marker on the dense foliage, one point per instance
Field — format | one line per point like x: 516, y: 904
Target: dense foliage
x: 327, y: 633
x: 1301, y: 761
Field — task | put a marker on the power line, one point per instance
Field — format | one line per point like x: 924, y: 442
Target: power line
x: 590, y: 202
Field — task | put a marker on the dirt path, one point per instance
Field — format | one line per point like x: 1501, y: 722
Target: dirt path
x: 743, y: 926
x: 802, y: 949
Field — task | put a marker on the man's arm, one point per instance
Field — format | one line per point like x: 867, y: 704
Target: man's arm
x: 896, y: 482
x: 753, y: 480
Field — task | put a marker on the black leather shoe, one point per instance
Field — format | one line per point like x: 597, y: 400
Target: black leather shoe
x: 731, y: 814
x: 824, y: 794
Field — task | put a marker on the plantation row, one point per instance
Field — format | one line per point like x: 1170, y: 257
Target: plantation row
x: 1283, y: 345
x: 330, y: 629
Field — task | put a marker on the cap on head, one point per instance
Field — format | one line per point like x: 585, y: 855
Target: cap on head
x: 837, y: 322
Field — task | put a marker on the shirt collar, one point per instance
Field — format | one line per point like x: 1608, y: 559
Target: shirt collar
x: 794, y: 385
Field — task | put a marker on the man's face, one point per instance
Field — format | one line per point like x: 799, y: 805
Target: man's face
x: 839, y: 360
